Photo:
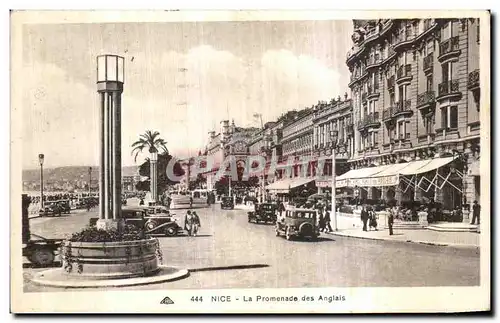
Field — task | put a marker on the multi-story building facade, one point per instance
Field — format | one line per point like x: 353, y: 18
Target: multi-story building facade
x: 333, y: 116
x: 297, y: 142
x: 230, y: 141
x: 415, y: 96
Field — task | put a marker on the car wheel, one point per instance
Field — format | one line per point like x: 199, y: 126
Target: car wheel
x: 42, y: 256
x: 170, y: 232
x: 287, y: 234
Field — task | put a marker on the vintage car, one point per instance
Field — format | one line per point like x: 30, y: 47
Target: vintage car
x: 298, y: 222
x: 65, y: 206
x: 227, y: 202
x: 151, y: 223
x: 264, y: 212
x: 51, y: 208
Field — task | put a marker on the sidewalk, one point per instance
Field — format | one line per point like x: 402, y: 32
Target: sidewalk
x: 452, y: 239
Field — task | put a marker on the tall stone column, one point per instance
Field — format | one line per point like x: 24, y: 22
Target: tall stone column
x: 154, y: 176
x: 110, y: 75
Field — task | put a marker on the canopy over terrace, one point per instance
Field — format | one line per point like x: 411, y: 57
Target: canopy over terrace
x: 284, y: 185
x: 389, y: 175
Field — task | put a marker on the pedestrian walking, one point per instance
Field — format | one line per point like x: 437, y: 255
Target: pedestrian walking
x: 476, y: 211
x: 364, y: 218
x: 391, y: 221
x: 327, y: 222
x: 188, y: 222
x: 196, y: 224
x: 321, y: 220
x: 373, y: 219
x: 190, y: 201
x: 281, y: 208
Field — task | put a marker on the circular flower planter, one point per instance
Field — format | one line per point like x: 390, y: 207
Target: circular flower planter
x: 110, y: 260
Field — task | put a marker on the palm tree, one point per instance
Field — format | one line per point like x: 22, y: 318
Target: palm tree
x: 151, y: 141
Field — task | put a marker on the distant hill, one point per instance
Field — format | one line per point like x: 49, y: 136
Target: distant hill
x: 69, y: 173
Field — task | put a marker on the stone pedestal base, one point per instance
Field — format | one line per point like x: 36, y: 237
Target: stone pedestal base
x: 109, y: 224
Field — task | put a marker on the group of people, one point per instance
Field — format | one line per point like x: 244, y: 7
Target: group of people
x: 192, y: 223
x: 369, y: 218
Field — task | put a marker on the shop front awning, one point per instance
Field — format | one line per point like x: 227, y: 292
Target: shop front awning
x: 474, y: 168
x: 356, y: 177
x: 282, y: 185
x: 389, y: 175
x: 433, y: 164
x: 296, y: 182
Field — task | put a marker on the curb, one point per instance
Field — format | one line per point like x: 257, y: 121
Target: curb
x: 166, y: 274
x: 429, y: 243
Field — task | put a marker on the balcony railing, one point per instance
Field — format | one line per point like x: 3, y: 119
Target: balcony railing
x: 448, y: 88
x: 429, y: 63
x: 404, y: 39
x: 387, y: 114
x: 473, y: 80
x: 373, y: 92
x: 404, y: 71
x: 449, y: 48
x: 390, y: 83
x: 373, y: 61
x: 369, y: 120
x: 425, y: 98
x: 403, y: 107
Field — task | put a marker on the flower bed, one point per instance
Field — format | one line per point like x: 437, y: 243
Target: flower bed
x: 101, y: 254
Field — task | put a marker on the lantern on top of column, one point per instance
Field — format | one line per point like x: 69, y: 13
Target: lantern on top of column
x: 110, y: 68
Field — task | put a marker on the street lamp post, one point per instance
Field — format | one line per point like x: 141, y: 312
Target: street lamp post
x: 222, y: 144
x: 333, y: 138
x: 154, y: 176
x: 41, y: 157
x: 90, y: 180
x: 110, y: 80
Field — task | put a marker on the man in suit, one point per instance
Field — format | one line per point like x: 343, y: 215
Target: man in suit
x: 476, y: 210
x: 364, y: 218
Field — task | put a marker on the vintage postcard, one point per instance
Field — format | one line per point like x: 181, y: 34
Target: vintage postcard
x: 250, y: 161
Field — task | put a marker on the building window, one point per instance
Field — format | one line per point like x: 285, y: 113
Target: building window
x: 453, y: 117
x: 429, y: 83
x: 446, y: 32
x: 401, y: 129
x: 428, y: 125
x: 444, y: 118
x: 449, y: 117
x: 391, y: 100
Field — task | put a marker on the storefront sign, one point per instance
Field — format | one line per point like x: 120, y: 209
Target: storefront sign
x: 341, y: 183
x: 323, y: 183
x: 392, y: 180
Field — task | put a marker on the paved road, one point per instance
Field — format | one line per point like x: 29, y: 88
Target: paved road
x: 227, y: 241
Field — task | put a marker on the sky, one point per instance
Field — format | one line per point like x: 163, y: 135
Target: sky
x: 232, y: 71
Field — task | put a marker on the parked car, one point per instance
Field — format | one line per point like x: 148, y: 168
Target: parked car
x: 65, y: 207
x: 298, y: 222
x: 155, y: 223
x: 227, y: 202
x: 50, y: 208
x: 264, y: 212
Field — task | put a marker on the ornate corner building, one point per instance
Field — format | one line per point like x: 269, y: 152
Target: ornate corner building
x: 415, y: 97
